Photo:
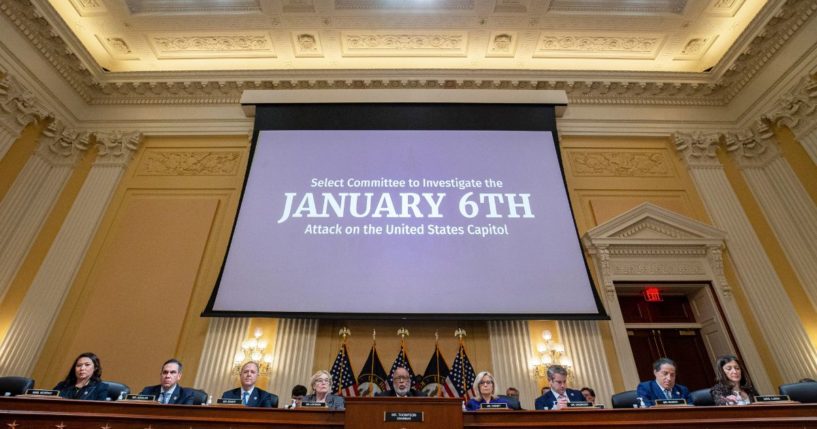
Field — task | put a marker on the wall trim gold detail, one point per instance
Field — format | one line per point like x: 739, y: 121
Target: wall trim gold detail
x: 189, y: 163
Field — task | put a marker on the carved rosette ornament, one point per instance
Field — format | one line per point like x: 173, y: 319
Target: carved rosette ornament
x: 116, y: 148
x: 61, y: 145
x: 699, y: 149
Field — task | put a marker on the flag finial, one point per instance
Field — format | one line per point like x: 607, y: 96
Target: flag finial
x: 403, y: 333
x: 459, y: 333
x: 436, y: 336
x: 344, y: 332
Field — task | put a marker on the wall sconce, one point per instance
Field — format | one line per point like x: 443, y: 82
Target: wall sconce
x: 253, y: 350
x: 549, y: 353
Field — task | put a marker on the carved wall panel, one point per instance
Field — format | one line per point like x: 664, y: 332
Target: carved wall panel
x: 620, y: 163
x: 246, y: 44
x: 598, y: 45
x: 406, y: 43
x: 189, y: 163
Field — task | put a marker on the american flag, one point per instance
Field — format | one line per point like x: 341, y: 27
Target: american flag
x: 343, y: 378
x: 402, y: 360
x: 437, y: 373
x: 462, y: 375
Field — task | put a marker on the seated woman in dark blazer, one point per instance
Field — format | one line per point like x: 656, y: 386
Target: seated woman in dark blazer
x: 84, y: 380
x: 733, y: 387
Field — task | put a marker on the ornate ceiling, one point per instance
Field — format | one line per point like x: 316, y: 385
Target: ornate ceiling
x: 686, y: 52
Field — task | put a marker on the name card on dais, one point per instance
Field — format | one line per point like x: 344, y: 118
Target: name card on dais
x: 403, y: 416
x: 42, y: 392
x: 133, y: 397
x: 229, y: 401
x: 313, y: 404
x: 579, y: 404
x: 669, y: 402
x: 494, y: 406
x: 771, y: 398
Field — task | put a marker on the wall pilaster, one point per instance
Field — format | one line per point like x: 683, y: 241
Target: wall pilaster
x: 29, y: 330
x: 584, y: 345
x: 794, y: 354
x: 34, y: 193
x: 787, y: 205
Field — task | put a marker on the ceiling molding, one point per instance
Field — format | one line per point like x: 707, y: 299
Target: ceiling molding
x: 45, y: 30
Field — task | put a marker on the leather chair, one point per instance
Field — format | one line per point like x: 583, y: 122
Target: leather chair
x: 702, y: 397
x: 199, y: 397
x: 805, y: 392
x: 513, y: 403
x: 115, y: 390
x: 13, y: 386
x: 624, y: 399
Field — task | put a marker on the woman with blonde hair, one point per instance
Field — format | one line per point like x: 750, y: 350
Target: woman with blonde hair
x: 321, y: 383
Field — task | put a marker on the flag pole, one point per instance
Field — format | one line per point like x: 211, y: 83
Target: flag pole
x: 437, y: 359
x: 371, y: 370
x: 344, y: 332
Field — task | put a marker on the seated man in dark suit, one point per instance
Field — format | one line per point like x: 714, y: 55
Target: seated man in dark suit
x: 169, y: 391
x: 401, y: 386
x: 512, y: 395
x: 663, y: 387
x: 559, y: 395
x: 250, y: 395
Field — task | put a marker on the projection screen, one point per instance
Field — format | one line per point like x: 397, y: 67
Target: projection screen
x: 405, y: 210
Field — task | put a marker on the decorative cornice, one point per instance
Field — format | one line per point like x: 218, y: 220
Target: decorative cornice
x: 679, y: 89
x: 752, y: 148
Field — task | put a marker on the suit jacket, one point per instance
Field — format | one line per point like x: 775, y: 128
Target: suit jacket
x: 181, y: 396
x: 411, y: 392
x: 546, y: 401
x: 93, y: 391
x: 719, y: 393
x: 650, y: 391
x: 258, y: 398
x: 334, y: 402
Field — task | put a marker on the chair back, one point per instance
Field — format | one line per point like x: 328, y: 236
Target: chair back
x: 624, y: 399
x: 702, y: 397
x: 513, y: 403
x: 805, y: 392
x: 117, y: 390
x: 199, y: 397
x: 13, y: 386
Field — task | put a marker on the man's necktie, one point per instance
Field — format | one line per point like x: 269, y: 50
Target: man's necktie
x: 668, y: 394
x: 245, y: 397
x: 165, y: 397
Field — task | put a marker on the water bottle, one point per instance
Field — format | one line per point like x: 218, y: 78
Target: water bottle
x: 639, y: 403
x: 121, y: 396
x: 209, y: 400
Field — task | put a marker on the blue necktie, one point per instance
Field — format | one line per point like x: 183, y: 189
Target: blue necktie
x: 245, y: 398
x: 165, y: 397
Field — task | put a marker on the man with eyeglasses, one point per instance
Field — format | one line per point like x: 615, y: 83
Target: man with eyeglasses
x: 401, y: 387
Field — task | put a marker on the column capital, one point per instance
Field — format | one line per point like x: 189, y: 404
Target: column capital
x: 60, y: 145
x: 699, y: 149
x: 797, y: 109
x: 754, y: 147
x: 117, y: 147
x: 18, y: 106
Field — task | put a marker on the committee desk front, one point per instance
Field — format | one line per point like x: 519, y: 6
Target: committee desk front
x: 32, y: 413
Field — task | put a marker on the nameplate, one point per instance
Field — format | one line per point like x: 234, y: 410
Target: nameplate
x: 42, y: 392
x: 599, y: 406
x: 313, y: 404
x: 494, y: 406
x: 670, y: 402
x: 403, y: 416
x: 229, y: 401
x: 579, y: 404
x: 771, y: 398
x: 140, y: 397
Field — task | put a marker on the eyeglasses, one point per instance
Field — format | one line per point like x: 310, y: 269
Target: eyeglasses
x: 322, y: 380
x: 401, y: 378
x: 486, y: 382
